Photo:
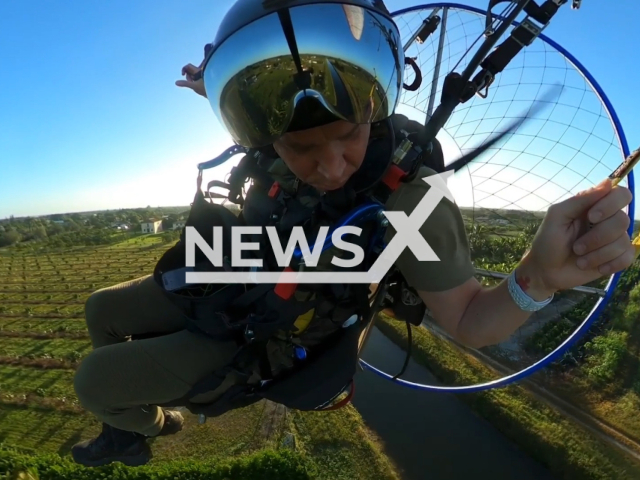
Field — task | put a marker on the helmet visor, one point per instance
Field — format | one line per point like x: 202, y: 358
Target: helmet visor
x: 350, y: 60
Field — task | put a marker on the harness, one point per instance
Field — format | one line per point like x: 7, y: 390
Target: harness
x: 298, y: 345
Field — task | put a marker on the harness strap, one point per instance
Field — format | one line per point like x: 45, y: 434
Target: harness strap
x: 541, y: 14
x: 274, y: 190
x: 393, y: 177
x: 264, y: 364
x: 521, y: 36
x: 286, y: 290
x: 251, y: 296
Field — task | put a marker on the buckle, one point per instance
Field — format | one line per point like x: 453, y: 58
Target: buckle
x: 487, y: 81
x: 249, y: 334
x: 531, y: 28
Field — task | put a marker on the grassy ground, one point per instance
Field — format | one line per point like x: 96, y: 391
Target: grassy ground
x: 565, y: 448
x: 604, y: 383
x: 343, y: 446
x: 43, y: 338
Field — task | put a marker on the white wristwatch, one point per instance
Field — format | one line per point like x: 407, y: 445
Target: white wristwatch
x: 524, y: 301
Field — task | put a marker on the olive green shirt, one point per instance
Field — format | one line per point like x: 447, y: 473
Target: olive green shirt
x: 445, y: 233
x: 443, y: 230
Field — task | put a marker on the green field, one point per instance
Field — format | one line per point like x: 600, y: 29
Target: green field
x: 43, y: 338
x: 600, y: 374
x: 567, y: 449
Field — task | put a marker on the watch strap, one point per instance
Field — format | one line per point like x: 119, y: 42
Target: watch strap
x: 524, y: 301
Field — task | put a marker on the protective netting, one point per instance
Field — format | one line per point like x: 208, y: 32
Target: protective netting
x: 569, y: 146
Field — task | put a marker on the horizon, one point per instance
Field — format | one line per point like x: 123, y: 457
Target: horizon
x: 101, y: 126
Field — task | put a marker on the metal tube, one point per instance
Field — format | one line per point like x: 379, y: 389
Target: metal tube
x: 436, y: 73
x: 424, y: 22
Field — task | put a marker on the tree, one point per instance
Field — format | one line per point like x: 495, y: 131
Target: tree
x: 39, y: 233
x: 96, y: 221
x: 54, y: 229
x: 8, y: 238
x: 167, y: 223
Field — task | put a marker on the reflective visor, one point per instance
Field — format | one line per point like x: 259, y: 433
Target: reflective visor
x: 352, y: 63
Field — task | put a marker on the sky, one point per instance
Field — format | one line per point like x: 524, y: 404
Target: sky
x: 90, y: 117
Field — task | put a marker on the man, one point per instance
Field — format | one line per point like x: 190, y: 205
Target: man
x: 343, y: 55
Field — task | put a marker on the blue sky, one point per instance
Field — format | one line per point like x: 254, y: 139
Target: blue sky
x: 90, y: 116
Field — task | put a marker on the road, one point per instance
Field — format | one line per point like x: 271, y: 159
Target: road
x: 429, y: 435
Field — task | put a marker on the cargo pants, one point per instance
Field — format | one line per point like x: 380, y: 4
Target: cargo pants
x: 121, y: 381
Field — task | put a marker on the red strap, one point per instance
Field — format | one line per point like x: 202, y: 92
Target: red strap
x: 285, y: 290
x: 344, y: 402
x: 393, y: 176
x: 274, y: 190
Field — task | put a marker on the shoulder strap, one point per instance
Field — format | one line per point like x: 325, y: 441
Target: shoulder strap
x: 412, y: 150
x: 416, y: 132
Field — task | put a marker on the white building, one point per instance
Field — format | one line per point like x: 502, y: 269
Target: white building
x: 152, y: 226
x: 178, y: 225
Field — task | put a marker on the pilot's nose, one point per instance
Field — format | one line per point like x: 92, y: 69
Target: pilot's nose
x: 332, y: 165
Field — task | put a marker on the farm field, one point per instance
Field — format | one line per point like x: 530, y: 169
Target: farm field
x: 43, y: 339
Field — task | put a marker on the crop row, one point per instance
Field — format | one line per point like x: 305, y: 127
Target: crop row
x: 34, y: 278
x: 74, y: 251
x: 31, y: 300
x: 19, y: 380
x: 101, y: 256
x: 106, y: 256
x: 41, y: 428
x: 24, y: 325
x: 22, y: 273
x: 42, y: 316
x: 21, y: 288
x: 28, y: 297
x: 33, y: 308
x: 108, y: 260
x: 56, y: 349
x: 69, y: 254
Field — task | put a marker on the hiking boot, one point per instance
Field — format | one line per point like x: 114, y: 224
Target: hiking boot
x: 113, y: 445
x: 173, y: 422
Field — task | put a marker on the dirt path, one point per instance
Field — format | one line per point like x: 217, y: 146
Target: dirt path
x: 600, y: 429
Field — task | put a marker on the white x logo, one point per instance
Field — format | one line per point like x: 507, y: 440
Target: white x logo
x: 408, y: 227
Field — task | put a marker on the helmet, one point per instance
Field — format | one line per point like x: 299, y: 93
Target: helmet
x: 283, y: 65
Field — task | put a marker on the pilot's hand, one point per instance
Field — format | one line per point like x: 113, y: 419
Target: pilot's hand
x: 189, y: 71
x: 582, y: 239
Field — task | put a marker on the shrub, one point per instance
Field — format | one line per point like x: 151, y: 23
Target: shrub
x: 267, y: 465
x: 605, y: 354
